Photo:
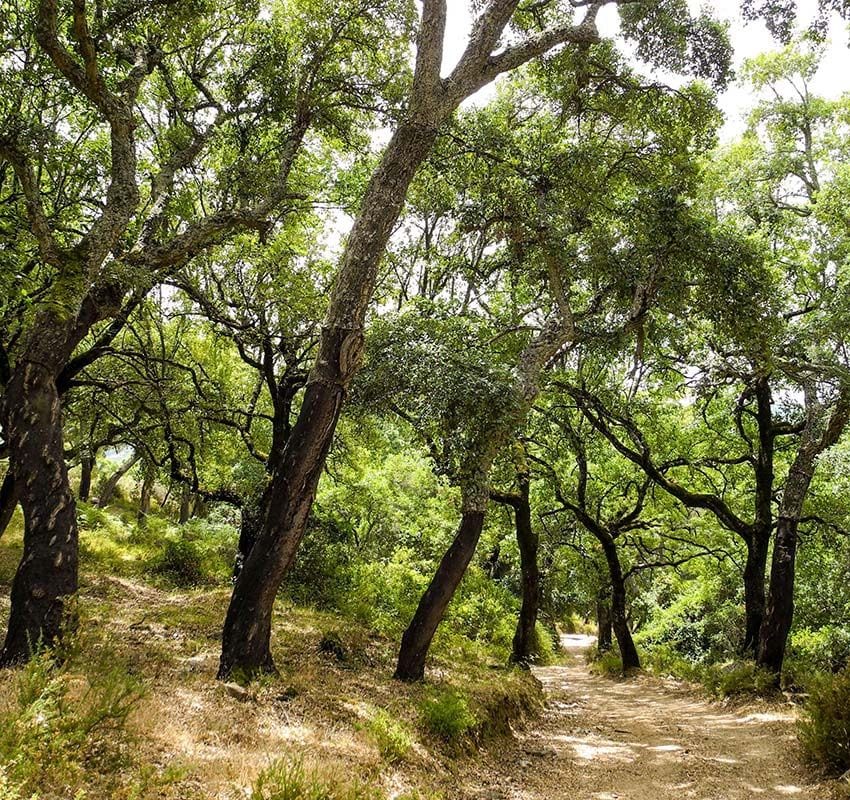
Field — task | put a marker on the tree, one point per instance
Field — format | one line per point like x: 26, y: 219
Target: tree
x: 92, y: 99
x: 431, y: 101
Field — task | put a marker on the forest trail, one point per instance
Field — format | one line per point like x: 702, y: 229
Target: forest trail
x: 646, y: 739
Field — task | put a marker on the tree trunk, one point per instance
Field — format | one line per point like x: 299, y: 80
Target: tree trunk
x: 185, y: 506
x: 754, y: 591
x: 47, y: 574
x: 146, y: 492
x: 779, y: 613
x: 250, y: 525
x: 108, y: 490
x: 619, y: 617
x: 417, y: 638
x: 525, y: 645
x: 246, y: 645
x: 86, y: 467
x: 8, y: 500
x: 604, y: 630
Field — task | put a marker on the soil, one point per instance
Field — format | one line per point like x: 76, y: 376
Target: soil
x: 644, y: 738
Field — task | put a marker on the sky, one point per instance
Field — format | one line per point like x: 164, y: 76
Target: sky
x: 748, y: 39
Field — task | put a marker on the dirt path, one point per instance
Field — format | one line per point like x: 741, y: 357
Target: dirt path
x: 646, y: 739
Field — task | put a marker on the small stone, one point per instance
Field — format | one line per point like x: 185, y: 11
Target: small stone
x: 238, y: 692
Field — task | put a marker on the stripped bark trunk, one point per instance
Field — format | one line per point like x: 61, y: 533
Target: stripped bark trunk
x: 619, y: 616
x: 604, y: 626
x: 293, y: 484
x: 779, y: 612
x: 525, y: 645
x: 418, y: 636
x: 86, y: 468
x: 754, y: 591
x: 47, y: 574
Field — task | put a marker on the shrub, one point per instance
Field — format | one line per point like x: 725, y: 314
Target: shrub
x: 825, y: 726
x: 198, y: 553
x: 825, y: 649
x: 738, y: 678
x: 606, y: 663
x: 289, y: 779
x: 446, y: 714
x: 391, y: 737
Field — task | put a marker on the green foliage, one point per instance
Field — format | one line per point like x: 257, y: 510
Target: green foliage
x: 607, y: 663
x: 194, y: 554
x: 825, y: 649
x: 446, y: 713
x: 825, y: 725
x: 289, y: 779
x: 390, y: 735
x: 736, y: 679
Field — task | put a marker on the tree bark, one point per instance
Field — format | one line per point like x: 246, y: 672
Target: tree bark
x: 619, y: 617
x: 246, y: 645
x: 604, y: 626
x: 754, y: 591
x: 185, y: 512
x: 86, y: 467
x: 47, y: 574
x: 8, y: 500
x: 779, y: 613
x: 525, y: 645
x: 416, y: 640
x: 108, y: 490
x: 146, y: 493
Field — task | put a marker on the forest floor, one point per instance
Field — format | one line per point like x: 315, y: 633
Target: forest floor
x: 644, y: 738
x: 596, y: 737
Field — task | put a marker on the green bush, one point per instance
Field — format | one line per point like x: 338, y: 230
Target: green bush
x: 289, y: 779
x: 446, y: 714
x: 195, y: 554
x: 825, y: 649
x: 606, y: 663
x: 737, y: 678
x: 825, y: 726
x: 391, y: 737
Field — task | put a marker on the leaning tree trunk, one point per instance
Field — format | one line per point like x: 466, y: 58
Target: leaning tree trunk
x: 754, y: 590
x: 108, y: 490
x: 416, y: 640
x: 86, y: 468
x: 8, y: 500
x: 619, y: 617
x: 246, y: 638
x: 604, y: 629
x: 525, y: 644
x: 47, y: 574
x: 779, y: 613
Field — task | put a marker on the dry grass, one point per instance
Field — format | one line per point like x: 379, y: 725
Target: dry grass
x: 193, y: 738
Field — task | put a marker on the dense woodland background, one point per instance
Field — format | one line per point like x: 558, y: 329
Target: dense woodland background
x: 282, y: 316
